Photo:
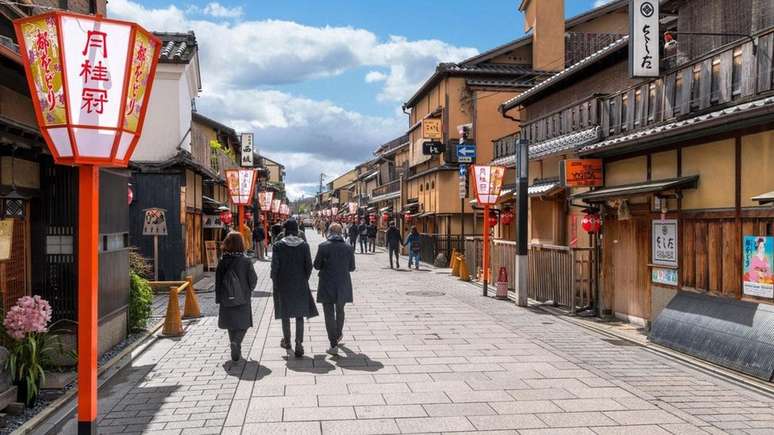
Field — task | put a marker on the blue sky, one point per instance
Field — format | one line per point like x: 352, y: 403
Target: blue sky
x: 320, y: 82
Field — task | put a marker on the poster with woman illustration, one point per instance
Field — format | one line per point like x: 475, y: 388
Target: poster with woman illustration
x: 758, y: 264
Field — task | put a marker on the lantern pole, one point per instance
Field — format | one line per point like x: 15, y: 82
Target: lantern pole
x: 522, y: 248
x: 486, y: 249
x: 88, y: 273
x: 241, y: 217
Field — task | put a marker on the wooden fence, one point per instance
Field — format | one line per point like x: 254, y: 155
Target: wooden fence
x: 558, y: 274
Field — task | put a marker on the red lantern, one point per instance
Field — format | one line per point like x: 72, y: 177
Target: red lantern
x: 226, y: 217
x: 591, y: 223
x: 130, y: 195
x: 492, y: 220
x: 506, y: 217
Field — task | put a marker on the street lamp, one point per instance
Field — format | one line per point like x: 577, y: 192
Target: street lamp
x: 90, y: 79
x: 488, y: 181
x: 264, y: 201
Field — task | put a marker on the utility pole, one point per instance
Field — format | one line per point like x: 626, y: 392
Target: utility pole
x: 522, y: 262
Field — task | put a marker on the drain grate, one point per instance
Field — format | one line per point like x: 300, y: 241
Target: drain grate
x: 425, y: 293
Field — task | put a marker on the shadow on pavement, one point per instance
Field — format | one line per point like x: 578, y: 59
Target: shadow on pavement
x: 315, y: 364
x: 352, y: 360
x: 246, y: 370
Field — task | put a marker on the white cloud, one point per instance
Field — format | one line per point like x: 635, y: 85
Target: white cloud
x: 241, y: 60
x: 599, y: 3
x: 217, y: 10
x: 375, y: 76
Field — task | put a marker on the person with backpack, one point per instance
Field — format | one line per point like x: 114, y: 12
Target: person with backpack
x: 335, y: 260
x: 371, y: 228
x: 394, y: 242
x: 414, y: 243
x: 291, y: 267
x: 235, y: 280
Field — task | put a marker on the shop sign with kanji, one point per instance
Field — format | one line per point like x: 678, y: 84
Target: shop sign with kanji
x: 91, y: 79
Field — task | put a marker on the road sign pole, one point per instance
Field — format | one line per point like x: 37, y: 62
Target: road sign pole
x: 156, y: 257
x: 522, y: 260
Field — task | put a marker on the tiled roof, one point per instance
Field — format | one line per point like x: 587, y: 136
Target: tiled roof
x: 543, y: 187
x: 499, y: 83
x: 763, y: 103
x: 572, y: 69
x: 177, y: 47
x: 8, y: 42
x: 488, y: 68
x: 567, y: 142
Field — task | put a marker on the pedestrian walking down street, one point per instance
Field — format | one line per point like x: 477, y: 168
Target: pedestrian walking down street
x: 335, y: 260
x: 371, y: 229
x: 415, y: 246
x: 394, y: 242
x: 275, y: 235
x: 291, y: 266
x: 235, y: 280
x: 362, y: 231
x: 259, y: 241
x: 352, y: 232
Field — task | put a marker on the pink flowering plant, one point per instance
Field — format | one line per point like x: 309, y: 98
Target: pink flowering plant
x: 26, y: 323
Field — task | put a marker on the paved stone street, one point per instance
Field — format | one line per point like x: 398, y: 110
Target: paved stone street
x: 422, y: 353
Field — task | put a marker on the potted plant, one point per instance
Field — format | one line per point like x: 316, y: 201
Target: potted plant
x: 26, y: 323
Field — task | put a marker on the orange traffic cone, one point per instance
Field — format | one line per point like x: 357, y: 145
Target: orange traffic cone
x: 453, y: 259
x: 191, y: 309
x: 456, y: 265
x: 464, y: 274
x: 173, y: 325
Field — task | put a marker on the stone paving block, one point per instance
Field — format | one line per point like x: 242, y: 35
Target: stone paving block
x: 377, y: 388
x: 350, y: 400
x: 581, y: 405
x: 603, y: 392
x: 525, y: 407
x: 434, y: 424
x: 282, y: 402
x: 319, y: 414
x: 263, y: 415
x: 418, y: 387
x: 390, y: 411
x: 415, y: 398
x: 576, y: 419
x: 558, y: 431
x: 510, y: 421
x: 291, y: 428
x: 315, y: 390
x: 479, y: 396
x: 360, y: 427
x: 643, y: 417
x: 453, y: 409
x: 542, y: 394
x: 631, y: 430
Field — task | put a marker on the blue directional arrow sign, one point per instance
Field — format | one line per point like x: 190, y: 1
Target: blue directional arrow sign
x: 463, y: 170
x: 466, y: 152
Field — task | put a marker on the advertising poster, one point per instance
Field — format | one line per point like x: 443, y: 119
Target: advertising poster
x: 757, y: 265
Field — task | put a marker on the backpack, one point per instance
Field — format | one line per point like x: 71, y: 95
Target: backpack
x: 416, y: 245
x: 233, y: 295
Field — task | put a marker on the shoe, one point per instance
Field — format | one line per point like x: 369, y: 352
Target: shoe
x: 285, y: 344
x: 339, y: 340
x: 333, y: 351
x: 299, y: 350
x: 236, y: 353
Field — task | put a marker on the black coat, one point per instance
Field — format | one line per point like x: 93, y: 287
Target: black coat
x: 371, y: 231
x: 353, y: 232
x: 291, y: 267
x: 394, y: 239
x: 335, y: 259
x: 259, y: 234
x: 240, y: 317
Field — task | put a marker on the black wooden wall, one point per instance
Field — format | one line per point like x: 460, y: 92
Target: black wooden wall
x: 114, y: 242
x: 163, y: 191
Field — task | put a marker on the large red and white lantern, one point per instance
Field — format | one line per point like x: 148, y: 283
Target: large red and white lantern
x: 487, y: 182
x: 265, y: 199
x: 275, y: 205
x: 241, y: 187
x: 90, y: 79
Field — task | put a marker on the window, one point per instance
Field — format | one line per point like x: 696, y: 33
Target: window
x: 678, y: 94
x: 736, y: 73
x: 637, y: 107
x: 651, y: 102
x: 624, y: 110
x: 695, y: 87
x: 715, y: 81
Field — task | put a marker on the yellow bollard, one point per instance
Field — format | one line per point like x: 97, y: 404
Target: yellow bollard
x: 191, y: 309
x: 464, y: 273
x: 173, y: 325
x: 456, y: 265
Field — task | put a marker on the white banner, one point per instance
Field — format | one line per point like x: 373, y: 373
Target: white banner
x: 644, y: 38
x: 247, y: 149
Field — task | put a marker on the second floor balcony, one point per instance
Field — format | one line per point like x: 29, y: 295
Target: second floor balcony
x: 386, y: 191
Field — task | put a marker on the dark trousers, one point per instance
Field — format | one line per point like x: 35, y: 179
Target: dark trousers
x: 372, y: 244
x: 299, y: 329
x: 334, y: 321
x: 394, y: 250
x: 353, y: 242
x: 363, y: 244
x: 236, y: 336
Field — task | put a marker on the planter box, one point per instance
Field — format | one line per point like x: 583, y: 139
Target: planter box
x: 7, y: 397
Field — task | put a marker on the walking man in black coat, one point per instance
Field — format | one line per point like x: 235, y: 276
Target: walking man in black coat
x: 372, y: 230
x: 363, y: 235
x: 335, y: 261
x: 291, y: 266
x: 352, y: 232
x: 394, y: 242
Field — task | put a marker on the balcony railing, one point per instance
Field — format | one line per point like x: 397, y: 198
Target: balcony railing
x: 220, y: 162
x: 577, y: 116
x: 391, y: 187
x: 729, y: 75
x: 506, y: 146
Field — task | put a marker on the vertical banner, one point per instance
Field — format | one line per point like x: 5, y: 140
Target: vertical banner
x: 757, y: 266
x: 643, y: 38
x: 247, y: 149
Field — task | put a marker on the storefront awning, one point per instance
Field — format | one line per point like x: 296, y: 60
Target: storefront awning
x: 210, y: 205
x: 638, y: 189
x: 385, y: 197
x: 413, y: 206
x: 765, y: 198
x: 424, y: 215
x: 384, y: 209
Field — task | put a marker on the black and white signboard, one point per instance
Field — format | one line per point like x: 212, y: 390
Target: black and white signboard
x: 247, y: 149
x: 643, y: 38
x: 665, y: 242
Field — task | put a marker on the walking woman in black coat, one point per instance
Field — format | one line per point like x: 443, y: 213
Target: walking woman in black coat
x: 291, y: 266
x: 235, y: 280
